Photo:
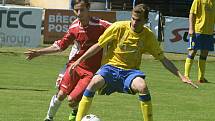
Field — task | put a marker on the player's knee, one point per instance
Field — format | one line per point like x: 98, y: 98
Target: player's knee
x: 139, y: 85
x: 192, y: 53
x: 142, y: 89
x: 203, y: 55
x: 61, y: 95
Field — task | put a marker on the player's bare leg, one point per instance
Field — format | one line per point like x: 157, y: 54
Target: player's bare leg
x: 74, y: 108
x: 202, y: 66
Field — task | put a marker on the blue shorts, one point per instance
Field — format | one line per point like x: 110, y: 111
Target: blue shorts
x: 117, y: 80
x: 201, y: 42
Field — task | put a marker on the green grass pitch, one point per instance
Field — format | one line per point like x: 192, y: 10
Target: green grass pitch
x: 26, y: 88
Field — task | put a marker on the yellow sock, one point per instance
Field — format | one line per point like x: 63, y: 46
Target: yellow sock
x: 187, y: 67
x: 146, y: 108
x: 201, y: 68
x: 83, y: 108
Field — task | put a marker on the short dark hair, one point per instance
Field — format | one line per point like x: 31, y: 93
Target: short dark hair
x: 74, y: 2
x: 142, y: 9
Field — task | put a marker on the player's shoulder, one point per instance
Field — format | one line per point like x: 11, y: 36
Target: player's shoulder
x: 147, y: 30
x: 74, y: 24
x: 99, y: 21
x: 148, y: 34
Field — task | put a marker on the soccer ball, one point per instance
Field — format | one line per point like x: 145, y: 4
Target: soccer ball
x: 90, y: 117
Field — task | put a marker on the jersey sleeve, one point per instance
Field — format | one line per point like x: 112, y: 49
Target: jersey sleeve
x: 105, y: 24
x: 109, y: 35
x: 152, y: 47
x: 193, y: 8
x: 65, y: 41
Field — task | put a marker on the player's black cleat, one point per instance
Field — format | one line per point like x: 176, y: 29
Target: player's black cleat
x: 203, y: 81
x: 48, y: 119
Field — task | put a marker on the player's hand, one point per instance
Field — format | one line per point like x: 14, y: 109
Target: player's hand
x: 73, y: 66
x: 30, y: 54
x: 188, y: 81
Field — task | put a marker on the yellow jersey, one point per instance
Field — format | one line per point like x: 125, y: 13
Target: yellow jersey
x: 125, y: 47
x: 205, y: 16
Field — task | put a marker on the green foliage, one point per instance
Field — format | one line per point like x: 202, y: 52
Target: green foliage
x: 26, y: 88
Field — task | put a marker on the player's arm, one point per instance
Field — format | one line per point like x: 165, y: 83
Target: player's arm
x: 192, y: 16
x: 173, y: 69
x: 191, y: 23
x: 90, y: 52
x: 58, y: 46
x: 32, y: 53
x: 156, y: 51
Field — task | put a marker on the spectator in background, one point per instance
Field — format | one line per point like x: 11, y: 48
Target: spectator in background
x: 127, y: 41
x: 82, y: 34
x: 201, y: 27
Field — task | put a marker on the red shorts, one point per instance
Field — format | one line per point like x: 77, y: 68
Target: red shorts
x: 75, y: 84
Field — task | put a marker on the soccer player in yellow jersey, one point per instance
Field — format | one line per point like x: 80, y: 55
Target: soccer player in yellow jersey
x: 201, y: 27
x: 127, y: 41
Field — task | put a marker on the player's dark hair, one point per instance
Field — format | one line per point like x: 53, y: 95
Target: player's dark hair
x: 81, y: 1
x: 142, y: 9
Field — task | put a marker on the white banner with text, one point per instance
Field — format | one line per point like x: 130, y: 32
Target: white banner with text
x: 176, y: 35
x: 20, y: 26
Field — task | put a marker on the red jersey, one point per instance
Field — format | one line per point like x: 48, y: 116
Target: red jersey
x: 82, y: 38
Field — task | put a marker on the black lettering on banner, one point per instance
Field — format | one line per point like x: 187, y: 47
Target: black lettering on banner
x: 11, y: 18
x: 2, y: 12
x: 15, y: 18
x: 21, y: 20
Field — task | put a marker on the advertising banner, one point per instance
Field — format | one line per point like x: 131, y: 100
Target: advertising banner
x: 57, y: 22
x: 174, y: 31
x: 176, y: 35
x: 20, y: 26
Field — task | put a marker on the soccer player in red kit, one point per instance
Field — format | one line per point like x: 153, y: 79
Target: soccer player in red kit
x: 82, y: 34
